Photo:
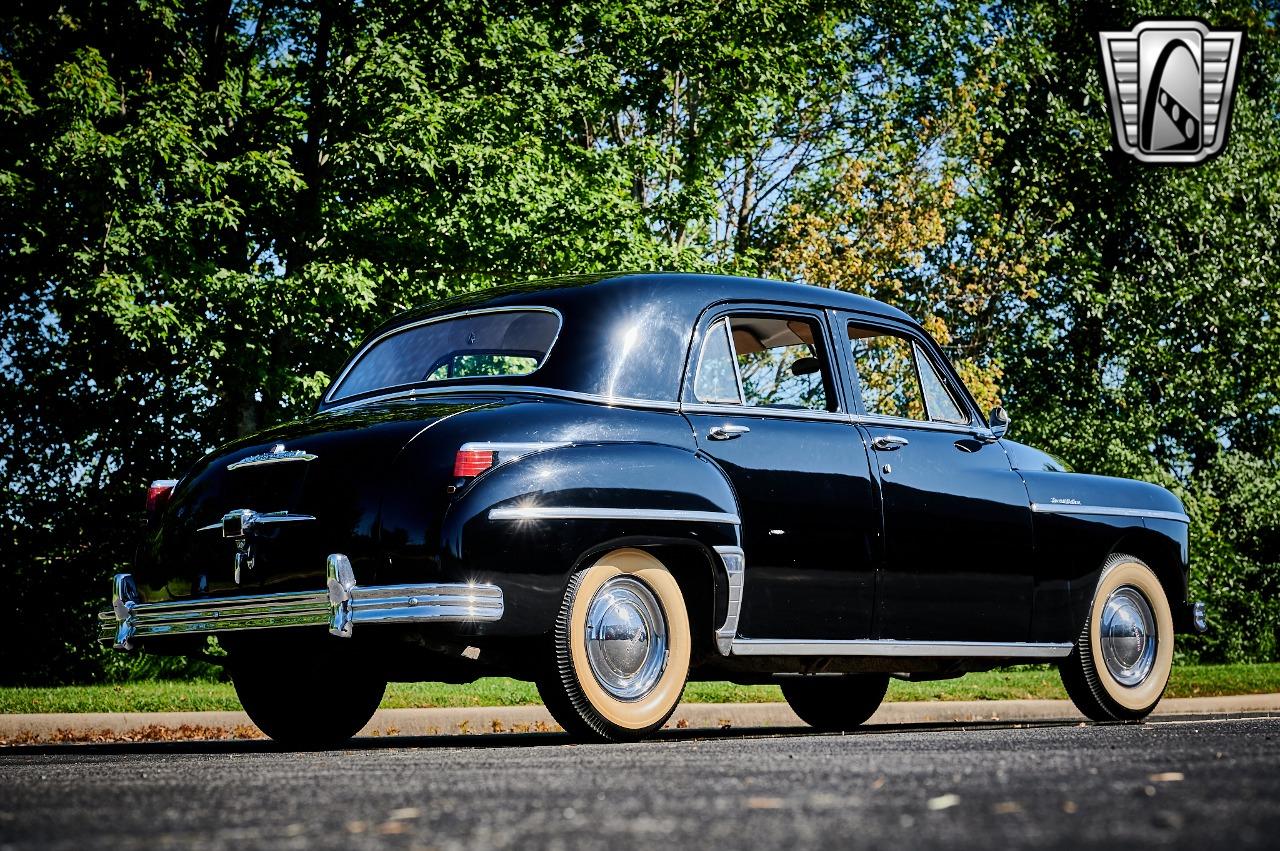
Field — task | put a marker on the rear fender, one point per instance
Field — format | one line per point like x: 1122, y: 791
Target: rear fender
x: 528, y: 524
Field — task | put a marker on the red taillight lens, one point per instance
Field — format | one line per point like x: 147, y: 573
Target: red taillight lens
x: 473, y: 462
x: 158, y: 496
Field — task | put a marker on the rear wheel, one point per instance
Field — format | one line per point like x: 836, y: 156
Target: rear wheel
x: 620, y: 649
x: 311, y: 702
x: 839, y: 702
x: 1120, y: 665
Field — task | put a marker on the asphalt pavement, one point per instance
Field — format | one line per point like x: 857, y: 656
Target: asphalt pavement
x: 1178, y: 784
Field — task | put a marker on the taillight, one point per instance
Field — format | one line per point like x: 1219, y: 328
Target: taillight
x: 473, y: 462
x: 158, y: 496
x: 474, y: 458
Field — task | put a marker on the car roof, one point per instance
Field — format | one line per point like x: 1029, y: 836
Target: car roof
x: 694, y: 289
x: 622, y: 336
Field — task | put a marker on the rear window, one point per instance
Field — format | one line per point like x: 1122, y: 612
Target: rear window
x: 474, y: 346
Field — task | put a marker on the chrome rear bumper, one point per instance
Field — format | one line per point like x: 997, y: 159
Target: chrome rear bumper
x: 339, y: 607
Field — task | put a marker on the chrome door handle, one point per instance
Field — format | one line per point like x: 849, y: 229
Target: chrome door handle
x: 889, y: 442
x: 728, y: 431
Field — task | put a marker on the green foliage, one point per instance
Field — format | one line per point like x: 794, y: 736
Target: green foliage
x: 205, y: 205
x: 1235, y: 542
x: 1150, y: 349
x: 1036, y: 682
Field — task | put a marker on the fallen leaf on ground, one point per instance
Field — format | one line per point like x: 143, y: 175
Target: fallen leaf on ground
x: 943, y: 802
x: 1167, y: 777
x: 759, y: 803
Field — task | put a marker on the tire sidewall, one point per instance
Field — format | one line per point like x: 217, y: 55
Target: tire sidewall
x: 1140, y: 699
x: 651, y: 710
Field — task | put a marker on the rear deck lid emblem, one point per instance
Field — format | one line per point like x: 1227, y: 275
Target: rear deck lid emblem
x: 277, y: 455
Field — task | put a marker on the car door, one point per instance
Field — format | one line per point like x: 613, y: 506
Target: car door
x: 764, y: 401
x: 957, y: 522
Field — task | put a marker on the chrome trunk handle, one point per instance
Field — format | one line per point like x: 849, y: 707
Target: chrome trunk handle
x: 728, y: 431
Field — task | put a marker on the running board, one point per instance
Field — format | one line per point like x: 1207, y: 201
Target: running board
x: 887, y: 647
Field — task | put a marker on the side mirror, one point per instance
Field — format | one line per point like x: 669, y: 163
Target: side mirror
x: 999, y: 422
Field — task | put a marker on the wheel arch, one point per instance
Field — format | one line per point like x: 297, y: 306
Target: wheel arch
x: 687, y: 511
x: 1162, y: 555
x: 698, y: 570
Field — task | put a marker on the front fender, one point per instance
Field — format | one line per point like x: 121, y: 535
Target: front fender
x: 528, y: 524
x: 1079, y: 520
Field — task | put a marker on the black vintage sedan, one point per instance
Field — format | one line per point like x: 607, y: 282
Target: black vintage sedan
x: 610, y: 485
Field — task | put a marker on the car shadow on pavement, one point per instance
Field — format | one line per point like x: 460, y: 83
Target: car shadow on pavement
x: 496, y: 740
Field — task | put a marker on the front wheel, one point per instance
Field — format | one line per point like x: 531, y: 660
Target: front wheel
x: 307, y: 702
x: 620, y: 649
x: 1121, y: 662
x: 835, y: 702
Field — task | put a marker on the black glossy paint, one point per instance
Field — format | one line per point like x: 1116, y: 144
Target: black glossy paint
x: 958, y: 543
x: 810, y: 524
x: 943, y: 545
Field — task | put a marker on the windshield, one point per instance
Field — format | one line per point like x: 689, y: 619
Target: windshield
x: 476, y: 346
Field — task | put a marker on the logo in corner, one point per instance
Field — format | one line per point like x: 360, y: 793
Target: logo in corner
x: 1170, y: 85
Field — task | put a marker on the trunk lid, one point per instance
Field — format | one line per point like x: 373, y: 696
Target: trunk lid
x: 315, y: 484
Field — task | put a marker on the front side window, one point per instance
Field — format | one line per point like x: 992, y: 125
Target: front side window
x: 778, y: 363
x: 476, y: 346
x: 897, y: 380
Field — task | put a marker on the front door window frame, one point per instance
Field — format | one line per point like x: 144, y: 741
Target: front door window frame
x: 842, y: 319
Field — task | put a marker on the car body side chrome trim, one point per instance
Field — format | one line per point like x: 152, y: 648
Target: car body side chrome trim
x: 735, y: 564
x: 889, y: 647
x: 576, y: 513
x: 431, y: 320
x: 1107, y: 511
x: 132, y: 619
x: 761, y: 411
x: 510, y: 451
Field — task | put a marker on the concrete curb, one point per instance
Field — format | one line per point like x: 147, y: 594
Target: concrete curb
x: 498, y: 719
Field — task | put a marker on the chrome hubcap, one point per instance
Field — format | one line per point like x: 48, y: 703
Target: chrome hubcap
x: 626, y: 638
x: 1128, y: 636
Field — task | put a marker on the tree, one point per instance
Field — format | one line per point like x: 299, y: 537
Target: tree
x: 1151, y: 350
x: 206, y: 204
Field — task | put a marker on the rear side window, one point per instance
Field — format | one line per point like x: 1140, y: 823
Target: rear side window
x: 764, y: 362
x: 476, y: 347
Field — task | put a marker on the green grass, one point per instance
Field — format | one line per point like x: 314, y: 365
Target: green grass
x: 177, y: 696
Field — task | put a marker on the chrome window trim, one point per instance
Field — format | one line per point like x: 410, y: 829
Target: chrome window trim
x: 735, y: 564
x: 891, y: 647
x: 751, y: 411
x: 1108, y: 511
x: 937, y: 425
x: 581, y: 513
x: 343, y: 604
x: 510, y: 390
x: 368, y: 346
